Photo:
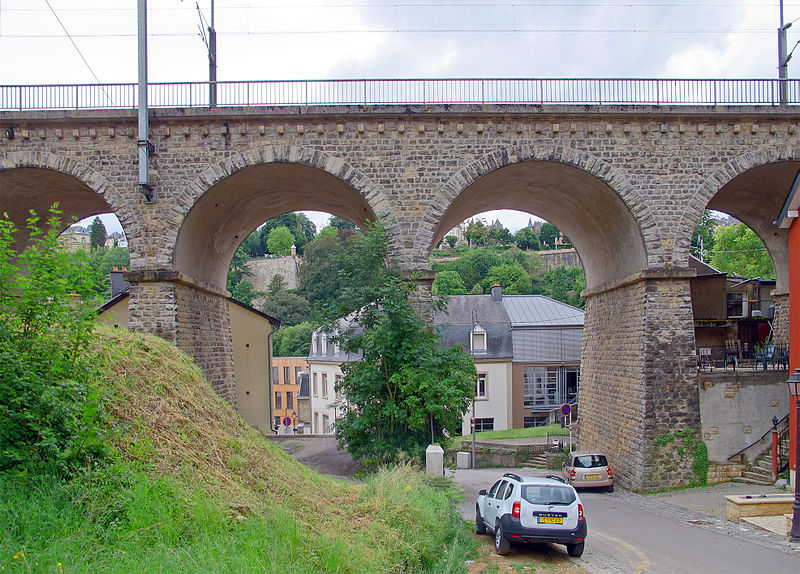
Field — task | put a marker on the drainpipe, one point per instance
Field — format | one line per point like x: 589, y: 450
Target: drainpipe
x: 143, y: 139
x: 269, y: 375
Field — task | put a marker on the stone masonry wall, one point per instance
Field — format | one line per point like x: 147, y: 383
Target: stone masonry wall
x: 152, y: 308
x: 611, y: 414
x: 671, y: 401
x: 204, y: 332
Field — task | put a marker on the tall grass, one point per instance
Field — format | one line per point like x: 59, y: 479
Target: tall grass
x: 181, y: 460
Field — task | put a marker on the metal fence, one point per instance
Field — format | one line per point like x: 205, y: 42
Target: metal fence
x: 768, y: 92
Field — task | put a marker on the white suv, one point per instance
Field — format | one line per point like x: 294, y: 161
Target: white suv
x: 530, y: 509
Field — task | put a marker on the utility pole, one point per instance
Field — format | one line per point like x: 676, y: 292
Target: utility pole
x: 783, y: 58
x: 212, y: 61
x: 143, y: 139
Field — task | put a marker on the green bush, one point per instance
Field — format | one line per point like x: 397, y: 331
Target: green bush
x: 48, y: 400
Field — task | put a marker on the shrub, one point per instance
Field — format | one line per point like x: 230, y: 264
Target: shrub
x: 48, y: 401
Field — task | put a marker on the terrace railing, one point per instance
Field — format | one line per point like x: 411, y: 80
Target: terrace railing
x: 543, y: 91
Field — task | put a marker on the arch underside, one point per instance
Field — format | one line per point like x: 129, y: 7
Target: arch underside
x: 37, y: 189
x: 235, y: 206
x: 755, y: 198
x: 584, y: 208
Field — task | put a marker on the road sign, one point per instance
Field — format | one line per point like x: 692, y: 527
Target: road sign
x: 287, y: 421
x: 565, y: 410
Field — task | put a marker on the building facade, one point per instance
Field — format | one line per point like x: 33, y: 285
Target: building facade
x: 285, y: 392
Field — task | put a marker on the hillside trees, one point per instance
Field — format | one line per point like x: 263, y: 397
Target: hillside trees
x: 284, y: 304
x: 280, y: 240
x: 407, y: 387
x: 739, y: 251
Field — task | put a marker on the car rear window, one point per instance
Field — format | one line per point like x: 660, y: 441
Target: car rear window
x: 590, y: 461
x: 548, y: 494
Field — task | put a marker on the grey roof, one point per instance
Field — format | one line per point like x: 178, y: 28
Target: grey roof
x: 455, y: 325
x: 541, y: 311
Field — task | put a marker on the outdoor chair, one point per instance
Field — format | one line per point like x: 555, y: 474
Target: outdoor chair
x: 733, y: 353
x: 765, y: 355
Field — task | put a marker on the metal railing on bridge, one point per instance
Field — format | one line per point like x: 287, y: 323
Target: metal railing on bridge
x: 543, y: 91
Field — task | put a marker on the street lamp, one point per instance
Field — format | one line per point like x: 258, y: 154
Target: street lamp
x: 794, y: 392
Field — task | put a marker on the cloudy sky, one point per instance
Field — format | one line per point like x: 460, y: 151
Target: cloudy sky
x: 321, y: 39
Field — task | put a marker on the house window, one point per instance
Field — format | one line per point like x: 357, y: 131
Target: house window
x: 550, y: 386
x: 484, y: 424
x: 286, y: 374
x: 274, y: 375
x: 289, y: 400
x: 478, y: 339
x: 539, y: 421
x: 737, y: 305
x: 316, y: 423
x: 325, y: 385
x: 316, y: 388
x: 324, y: 344
x: 278, y: 402
x: 336, y: 386
x: 325, y: 428
x: 297, y: 371
x: 480, y: 390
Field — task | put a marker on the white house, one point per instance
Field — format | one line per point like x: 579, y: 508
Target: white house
x: 526, y: 348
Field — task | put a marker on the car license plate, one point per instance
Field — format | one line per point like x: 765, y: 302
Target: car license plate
x: 592, y: 476
x: 550, y: 520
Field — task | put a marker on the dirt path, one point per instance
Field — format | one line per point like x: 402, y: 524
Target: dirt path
x: 523, y: 559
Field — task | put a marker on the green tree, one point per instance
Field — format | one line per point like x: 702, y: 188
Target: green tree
x: 474, y: 264
x: 512, y: 277
x: 319, y: 279
x: 451, y: 240
x: 280, y: 241
x: 97, y: 234
x: 548, y: 235
x: 406, y: 386
x: 704, y: 234
x: 477, y: 233
x: 340, y: 223
x: 448, y: 283
x: 739, y: 251
x: 48, y: 399
x: 293, y: 341
x: 500, y: 236
x: 237, y: 274
x: 563, y: 284
x: 303, y: 230
x: 526, y: 238
x: 285, y: 305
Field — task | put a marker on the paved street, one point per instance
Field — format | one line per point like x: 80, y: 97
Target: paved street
x: 629, y: 533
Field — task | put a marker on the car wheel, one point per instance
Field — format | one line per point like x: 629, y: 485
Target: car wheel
x: 575, y: 549
x: 480, y: 527
x: 501, y: 543
x: 610, y: 488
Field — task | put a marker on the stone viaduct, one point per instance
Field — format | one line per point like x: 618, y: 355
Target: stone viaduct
x: 626, y: 184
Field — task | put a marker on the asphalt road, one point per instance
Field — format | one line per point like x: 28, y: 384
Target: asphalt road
x: 632, y: 533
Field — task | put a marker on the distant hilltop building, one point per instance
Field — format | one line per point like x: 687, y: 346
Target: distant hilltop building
x: 76, y: 237
x: 116, y: 239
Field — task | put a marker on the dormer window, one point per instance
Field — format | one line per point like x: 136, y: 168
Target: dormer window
x: 314, y: 340
x: 324, y: 345
x: 478, y: 339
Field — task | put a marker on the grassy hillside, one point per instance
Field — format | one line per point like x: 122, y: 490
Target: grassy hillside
x: 189, y: 487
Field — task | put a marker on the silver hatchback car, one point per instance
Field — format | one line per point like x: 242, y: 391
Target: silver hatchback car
x: 531, y: 509
x: 588, y: 469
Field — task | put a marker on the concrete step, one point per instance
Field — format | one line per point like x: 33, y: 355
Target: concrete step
x: 757, y: 475
x: 746, y: 480
x: 760, y: 471
x: 765, y: 463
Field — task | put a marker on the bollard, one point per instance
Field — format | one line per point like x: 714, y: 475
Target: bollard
x: 434, y: 460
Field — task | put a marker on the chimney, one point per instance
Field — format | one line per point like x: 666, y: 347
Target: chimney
x: 497, y: 293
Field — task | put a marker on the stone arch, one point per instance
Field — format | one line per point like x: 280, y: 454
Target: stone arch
x: 752, y: 188
x: 35, y: 180
x: 532, y: 176
x: 230, y: 199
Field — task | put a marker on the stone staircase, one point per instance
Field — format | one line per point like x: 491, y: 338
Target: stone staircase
x: 536, y: 461
x: 759, y: 473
